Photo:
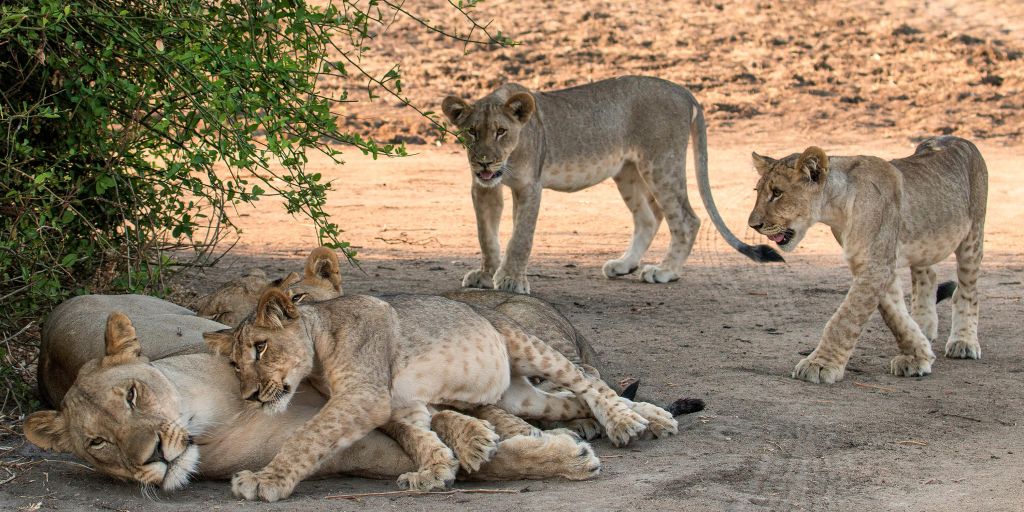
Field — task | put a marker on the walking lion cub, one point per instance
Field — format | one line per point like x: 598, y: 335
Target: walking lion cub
x: 911, y: 211
x: 386, y: 363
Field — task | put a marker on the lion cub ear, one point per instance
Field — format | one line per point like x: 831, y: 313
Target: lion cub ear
x: 47, y: 430
x: 274, y: 308
x: 322, y: 264
x: 813, y: 162
x: 220, y: 342
x: 520, y: 106
x: 762, y: 163
x: 122, y: 345
x: 455, y: 109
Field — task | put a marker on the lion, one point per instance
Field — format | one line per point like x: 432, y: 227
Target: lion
x: 162, y: 422
x: 911, y: 211
x: 632, y: 129
x: 384, y: 361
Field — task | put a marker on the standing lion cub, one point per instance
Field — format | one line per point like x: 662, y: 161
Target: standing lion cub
x: 633, y: 129
x: 385, y: 363
x: 913, y: 212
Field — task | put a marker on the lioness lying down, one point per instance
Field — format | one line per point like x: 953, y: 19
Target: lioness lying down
x: 160, y: 422
x: 385, y: 361
x: 911, y: 211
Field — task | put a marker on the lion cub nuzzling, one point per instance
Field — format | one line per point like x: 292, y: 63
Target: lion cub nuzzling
x: 912, y: 211
x: 633, y: 129
x: 383, y: 364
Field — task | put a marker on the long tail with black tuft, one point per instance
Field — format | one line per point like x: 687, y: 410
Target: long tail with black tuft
x: 945, y: 291
x: 685, y: 406
x: 698, y: 132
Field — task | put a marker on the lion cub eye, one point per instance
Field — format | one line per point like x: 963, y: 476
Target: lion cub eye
x: 260, y: 348
x: 776, y: 193
x: 235, y: 366
x: 131, y: 396
x: 96, y: 443
x: 471, y: 134
x: 499, y: 132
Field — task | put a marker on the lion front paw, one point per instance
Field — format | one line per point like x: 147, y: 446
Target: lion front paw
x: 657, y: 275
x: 585, y: 428
x: 477, y: 279
x: 511, y: 283
x: 616, y: 268
x: 660, y: 422
x: 818, y: 371
x: 624, y: 426
x: 476, y: 445
x: 261, y: 485
x: 435, y: 476
x: 910, y: 366
x: 963, y: 349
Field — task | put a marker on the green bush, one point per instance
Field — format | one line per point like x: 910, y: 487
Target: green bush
x: 132, y: 128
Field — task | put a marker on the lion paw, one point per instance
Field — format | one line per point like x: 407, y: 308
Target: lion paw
x: 817, y: 371
x: 910, y: 366
x: 624, y: 426
x: 584, y: 464
x: 585, y: 428
x: 655, y: 274
x: 510, y: 283
x: 477, y: 445
x: 963, y: 349
x: 616, y: 268
x: 436, y: 476
x: 660, y: 422
x: 477, y: 279
x: 261, y: 485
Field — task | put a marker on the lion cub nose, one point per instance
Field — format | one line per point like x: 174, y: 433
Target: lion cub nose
x: 759, y: 225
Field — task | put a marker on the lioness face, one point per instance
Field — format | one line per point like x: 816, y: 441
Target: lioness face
x: 788, y: 196
x: 491, y: 131
x: 270, y: 350
x: 124, y: 418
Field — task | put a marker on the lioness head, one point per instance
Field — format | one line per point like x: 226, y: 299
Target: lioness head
x: 788, y: 195
x: 270, y: 350
x: 491, y: 130
x: 122, y: 416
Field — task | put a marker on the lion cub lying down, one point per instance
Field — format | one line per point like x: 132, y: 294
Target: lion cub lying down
x: 162, y: 420
x: 913, y: 212
x: 384, y: 363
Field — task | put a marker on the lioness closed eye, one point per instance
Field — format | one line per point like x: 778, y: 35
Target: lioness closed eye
x: 632, y: 129
x: 912, y: 212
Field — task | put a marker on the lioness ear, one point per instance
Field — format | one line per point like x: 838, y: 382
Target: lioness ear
x: 121, y: 343
x: 274, y: 308
x: 220, y: 342
x: 47, y: 430
x: 455, y: 109
x: 761, y: 163
x: 322, y: 264
x: 520, y: 106
x: 814, y: 163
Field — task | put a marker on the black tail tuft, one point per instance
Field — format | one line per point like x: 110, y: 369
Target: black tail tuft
x: 685, y: 406
x: 630, y: 391
x: 945, y: 291
x: 761, y: 253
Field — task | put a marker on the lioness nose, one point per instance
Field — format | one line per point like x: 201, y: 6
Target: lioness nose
x: 157, y: 455
x: 756, y: 226
x: 255, y: 396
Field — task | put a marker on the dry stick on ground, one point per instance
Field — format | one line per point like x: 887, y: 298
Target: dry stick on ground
x: 421, y: 493
x: 913, y: 442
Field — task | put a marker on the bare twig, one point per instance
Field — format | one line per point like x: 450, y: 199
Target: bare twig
x: 914, y: 442
x: 421, y: 493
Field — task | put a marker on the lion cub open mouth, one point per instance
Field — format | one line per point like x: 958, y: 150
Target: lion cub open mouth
x: 782, y: 237
x: 486, y: 176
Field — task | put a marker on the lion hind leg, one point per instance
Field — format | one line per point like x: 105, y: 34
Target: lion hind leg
x: 473, y: 440
x: 922, y: 300
x: 915, y: 359
x: 505, y: 423
x: 527, y: 401
x: 667, y: 179
x: 963, y: 333
x: 545, y: 456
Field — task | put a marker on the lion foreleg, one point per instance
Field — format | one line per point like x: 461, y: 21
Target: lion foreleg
x: 487, y: 204
x: 435, y: 463
x: 916, y: 355
x: 511, y: 275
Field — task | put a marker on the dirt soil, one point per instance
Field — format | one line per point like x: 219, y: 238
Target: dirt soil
x: 730, y: 330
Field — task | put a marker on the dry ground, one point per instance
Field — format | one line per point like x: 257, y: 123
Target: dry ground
x: 730, y: 330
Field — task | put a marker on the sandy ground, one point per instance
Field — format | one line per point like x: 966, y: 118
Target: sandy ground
x: 730, y: 330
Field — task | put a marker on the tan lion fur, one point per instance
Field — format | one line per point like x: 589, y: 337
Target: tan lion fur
x: 909, y: 212
x: 188, y: 420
